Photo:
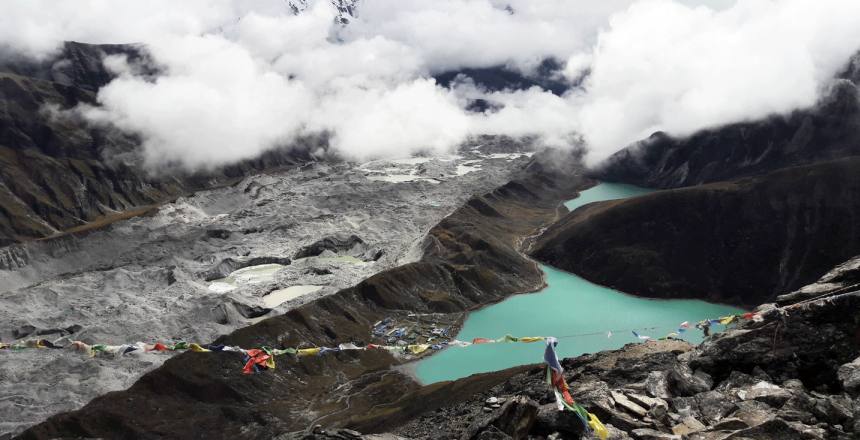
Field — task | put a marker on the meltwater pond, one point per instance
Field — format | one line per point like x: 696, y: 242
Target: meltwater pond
x: 581, y: 314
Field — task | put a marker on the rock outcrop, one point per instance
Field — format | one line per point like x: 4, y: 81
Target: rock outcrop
x: 740, y: 242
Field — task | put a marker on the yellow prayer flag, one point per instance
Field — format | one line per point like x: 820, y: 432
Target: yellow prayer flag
x: 725, y: 320
x: 197, y: 348
x: 309, y: 351
x: 418, y: 349
x: 530, y: 339
x: 597, y: 427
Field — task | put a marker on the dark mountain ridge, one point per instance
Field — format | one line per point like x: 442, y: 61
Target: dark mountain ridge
x: 742, y: 242
x: 58, y: 172
x: 828, y: 130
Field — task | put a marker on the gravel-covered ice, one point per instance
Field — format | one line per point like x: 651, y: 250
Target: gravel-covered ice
x: 159, y: 277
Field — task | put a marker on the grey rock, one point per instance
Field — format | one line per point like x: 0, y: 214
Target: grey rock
x: 768, y: 393
x: 685, y: 406
x: 623, y: 402
x: 593, y: 392
x: 645, y: 401
x: 753, y: 413
x: 514, y: 420
x: 492, y: 433
x: 713, y: 406
x: 657, y: 384
x: 730, y: 424
x: 736, y: 380
x: 849, y: 375
x: 660, y: 413
x: 651, y: 434
x: 551, y: 420
x: 683, y: 382
x: 687, y: 426
x: 617, y: 434
x: 833, y: 409
x: 798, y: 408
x: 794, y: 385
x: 776, y: 429
x: 338, y: 243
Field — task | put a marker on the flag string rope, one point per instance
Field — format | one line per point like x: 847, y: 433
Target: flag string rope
x: 263, y: 357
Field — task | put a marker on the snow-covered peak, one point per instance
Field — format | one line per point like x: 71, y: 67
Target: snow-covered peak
x: 346, y: 9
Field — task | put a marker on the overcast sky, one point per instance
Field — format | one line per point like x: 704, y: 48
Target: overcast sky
x: 245, y: 76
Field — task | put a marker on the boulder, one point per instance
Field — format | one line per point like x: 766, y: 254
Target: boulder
x: 753, y: 413
x: 513, y: 420
x: 593, y: 392
x: 849, y: 376
x: 617, y: 434
x: 835, y: 410
x: 550, y: 420
x: 623, y: 402
x: 645, y: 401
x: 713, y: 406
x: 492, y: 433
x: 651, y: 434
x: 729, y: 424
x: 777, y: 429
x: 736, y: 380
x: 683, y: 382
x: 657, y: 384
x: 688, y: 425
x: 766, y: 392
x: 799, y: 408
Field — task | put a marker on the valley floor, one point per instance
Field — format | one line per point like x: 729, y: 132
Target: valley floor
x: 178, y: 274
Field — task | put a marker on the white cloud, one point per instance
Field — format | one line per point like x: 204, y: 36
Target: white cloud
x: 215, y: 105
x: 665, y: 66
x: 241, y: 77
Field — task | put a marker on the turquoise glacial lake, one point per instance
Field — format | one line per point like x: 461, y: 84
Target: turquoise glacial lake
x: 582, y: 314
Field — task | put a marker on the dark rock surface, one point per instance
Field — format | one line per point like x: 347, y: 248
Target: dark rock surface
x: 829, y: 130
x: 469, y: 259
x: 740, y: 242
x: 334, y: 244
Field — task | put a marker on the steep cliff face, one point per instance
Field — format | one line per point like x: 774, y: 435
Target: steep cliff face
x: 827, y: 131
x: 742, y: 242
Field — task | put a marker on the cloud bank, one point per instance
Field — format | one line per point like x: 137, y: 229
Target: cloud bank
x: 241, y: 77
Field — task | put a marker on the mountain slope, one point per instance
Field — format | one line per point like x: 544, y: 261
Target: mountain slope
x: 829, y: 130
x: 741, y: 242
x: 470, y: 259
x: 57, y: 172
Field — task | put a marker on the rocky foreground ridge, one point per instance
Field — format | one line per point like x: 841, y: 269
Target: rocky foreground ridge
x: 796, y: 375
